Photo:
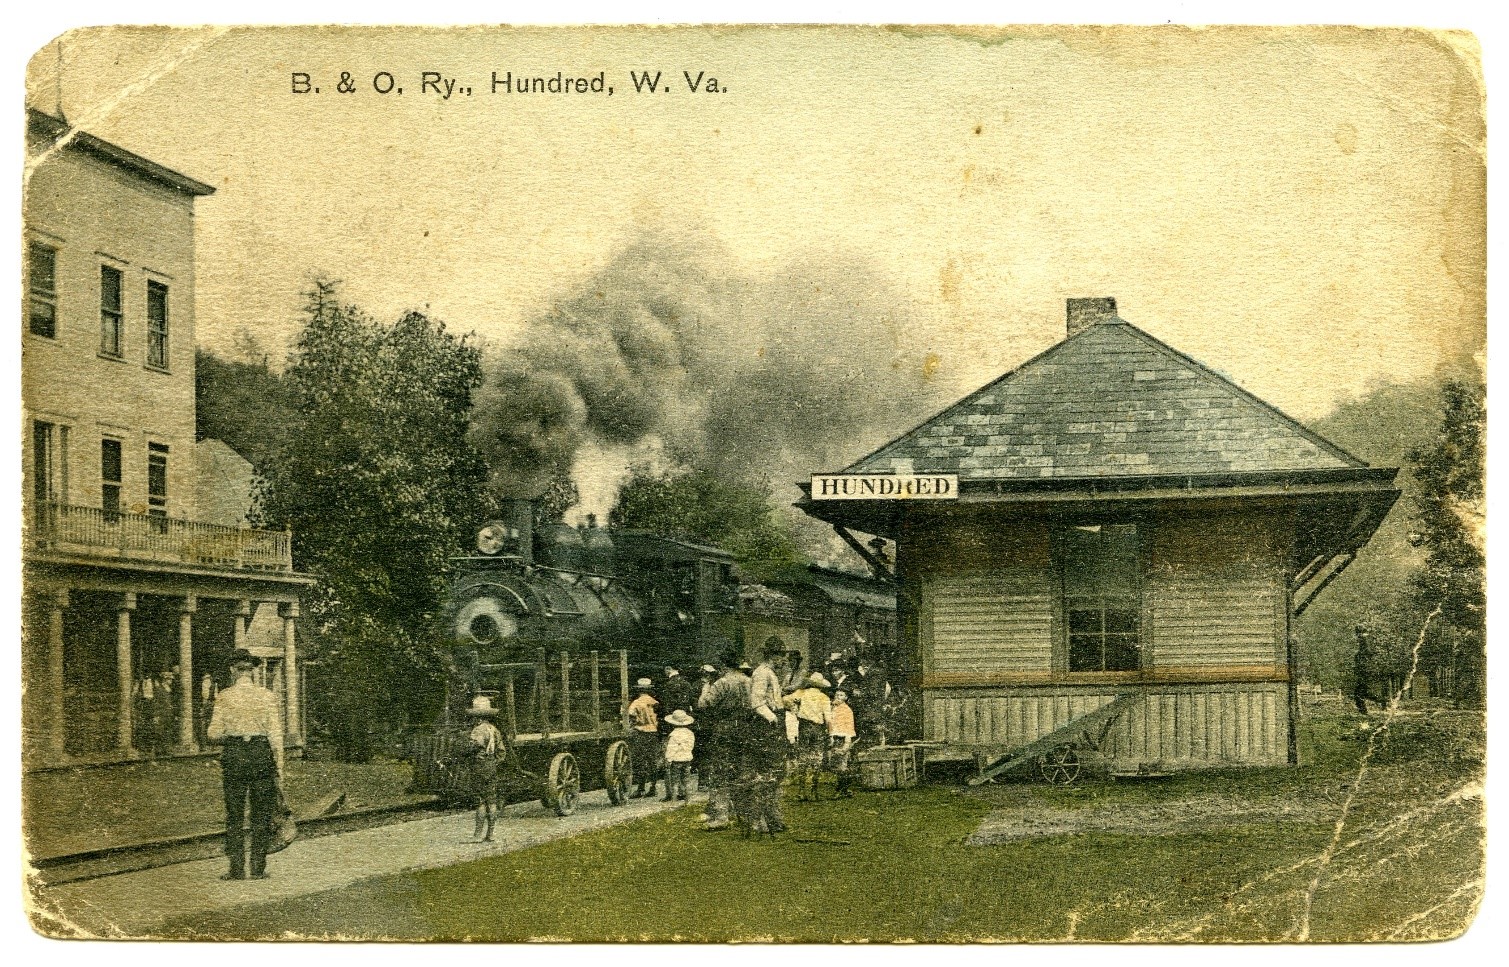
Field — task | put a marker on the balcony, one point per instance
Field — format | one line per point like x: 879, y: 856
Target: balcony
x: 66, y: 528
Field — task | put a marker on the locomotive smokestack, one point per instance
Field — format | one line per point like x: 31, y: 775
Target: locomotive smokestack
x: 519, y: 515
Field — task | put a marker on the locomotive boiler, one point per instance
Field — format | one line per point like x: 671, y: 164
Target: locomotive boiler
x: 579, y: 589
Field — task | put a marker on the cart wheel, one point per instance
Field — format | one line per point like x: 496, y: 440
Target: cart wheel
x: 563, y: 784
x: 618, y: 772
x: 1061, y: 766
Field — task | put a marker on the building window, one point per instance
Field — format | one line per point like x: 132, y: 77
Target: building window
x: 157, y: 325
x: 49, y: 462
x: 110, y: 476
x: 1102, y: 596
x: 110, y: 311
x: 157, y: 479
x: 42, y: 285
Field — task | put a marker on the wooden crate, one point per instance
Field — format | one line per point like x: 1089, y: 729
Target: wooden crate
x: 888, y: 767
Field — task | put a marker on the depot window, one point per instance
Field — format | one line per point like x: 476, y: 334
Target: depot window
x: 1102, y: 596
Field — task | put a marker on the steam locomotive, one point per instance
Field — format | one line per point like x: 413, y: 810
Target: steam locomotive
x: 555, y: 622
x: 579, y: 589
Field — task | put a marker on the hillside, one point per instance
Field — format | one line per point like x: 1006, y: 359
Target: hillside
x: 1379, y: 427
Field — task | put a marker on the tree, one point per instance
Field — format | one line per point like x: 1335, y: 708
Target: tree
x: 1379, y: 426
x: 697, y: 505
x: 559, y: 496
x: 242, y: 404
x: 1448, y: 524
x: 376, y: 478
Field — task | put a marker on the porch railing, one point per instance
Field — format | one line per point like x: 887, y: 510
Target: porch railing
x: 117, y: 533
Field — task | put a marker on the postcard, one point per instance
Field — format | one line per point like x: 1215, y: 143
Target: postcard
x: 818, y: 484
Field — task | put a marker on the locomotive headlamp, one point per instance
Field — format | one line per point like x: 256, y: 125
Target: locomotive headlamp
x: 494, y: 536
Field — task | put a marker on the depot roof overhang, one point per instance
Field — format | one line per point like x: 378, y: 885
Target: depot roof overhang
x: 1363, y: 495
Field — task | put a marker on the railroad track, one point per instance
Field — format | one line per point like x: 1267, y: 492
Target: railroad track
x: 115, y: 860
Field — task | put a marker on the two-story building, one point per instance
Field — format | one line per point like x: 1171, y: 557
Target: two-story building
x: 1110, y: 522
x: 132, y: 602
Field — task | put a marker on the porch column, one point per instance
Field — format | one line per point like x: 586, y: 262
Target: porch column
x: 55, y: 714
x: 238, y: 628
x: 123, y: 670
x: 292, y: 729
x: 186, y: 609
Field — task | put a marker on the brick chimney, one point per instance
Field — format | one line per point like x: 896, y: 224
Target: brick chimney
x: 1084, y: 313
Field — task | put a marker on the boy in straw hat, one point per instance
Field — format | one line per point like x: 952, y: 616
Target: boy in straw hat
x: 810, y: 706
x: 644, y: 738
x: 678, y: 754
x: 486, y: 744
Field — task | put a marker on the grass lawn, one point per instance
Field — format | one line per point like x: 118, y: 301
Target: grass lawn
x: 72, y: 810
x: 1217, y: 856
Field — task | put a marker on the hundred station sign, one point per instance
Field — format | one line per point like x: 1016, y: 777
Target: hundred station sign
x: 885, y: 486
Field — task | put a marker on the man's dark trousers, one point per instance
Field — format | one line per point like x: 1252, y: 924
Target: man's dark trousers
x: 248, y: 773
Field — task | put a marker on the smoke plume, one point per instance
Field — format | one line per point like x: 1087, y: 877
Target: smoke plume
x: 665, y: 353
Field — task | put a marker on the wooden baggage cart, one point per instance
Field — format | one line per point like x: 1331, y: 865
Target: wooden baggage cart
x: 562, y: 729
x: 1061, y: 755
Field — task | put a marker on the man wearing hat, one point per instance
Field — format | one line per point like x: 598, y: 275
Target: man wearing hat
x: 677, y: 692
x: 764, y: 759
x: 486, y: 744
x: 707, y: 674
x: 644, y: 738
x: 249, y: 723
x: 723, y: 708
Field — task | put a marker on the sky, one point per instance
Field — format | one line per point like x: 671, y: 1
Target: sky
x: 1300, y: 209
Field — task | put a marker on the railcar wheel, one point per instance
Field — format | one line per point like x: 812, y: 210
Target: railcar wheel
x: 618, y: 772
x: 563, y: 784
x: 1060, y: 766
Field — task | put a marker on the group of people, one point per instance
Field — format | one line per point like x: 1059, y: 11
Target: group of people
x: 156, y: 706
x: 741, y: 732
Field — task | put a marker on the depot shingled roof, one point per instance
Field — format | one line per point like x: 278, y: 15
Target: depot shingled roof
x: 1108, y: 401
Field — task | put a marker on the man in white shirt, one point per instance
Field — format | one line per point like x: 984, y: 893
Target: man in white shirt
x: 250, y: 724
x: 763, y: 763
x: 724, y: 709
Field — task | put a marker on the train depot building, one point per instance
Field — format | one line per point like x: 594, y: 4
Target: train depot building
x: 1107, y: 556
x: 140, y: 571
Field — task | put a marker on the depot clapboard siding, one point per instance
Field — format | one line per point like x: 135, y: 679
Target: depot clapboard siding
x: 987, y: 621
x: 1214, y: 620
x: 1214, y: 593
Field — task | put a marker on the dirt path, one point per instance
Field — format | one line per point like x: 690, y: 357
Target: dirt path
x: 1024, y: 812
x: 133, y: 904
